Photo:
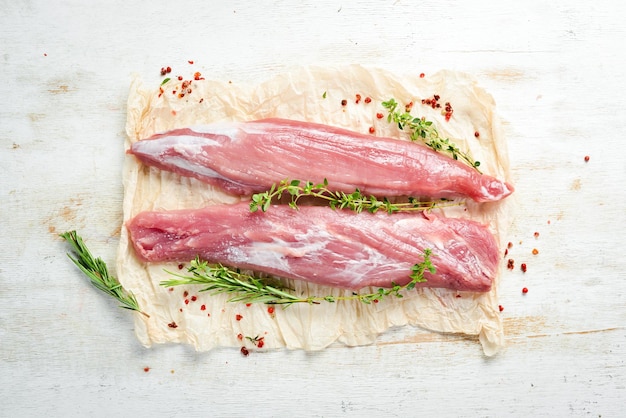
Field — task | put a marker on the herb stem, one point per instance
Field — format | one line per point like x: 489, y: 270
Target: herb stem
x: 96, y: 270
x: 248, y: 288
x: 355, y: 201
x: 424, y: 131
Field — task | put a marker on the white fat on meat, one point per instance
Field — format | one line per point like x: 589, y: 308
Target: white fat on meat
x: 321, y: 245
x: 251, y: 156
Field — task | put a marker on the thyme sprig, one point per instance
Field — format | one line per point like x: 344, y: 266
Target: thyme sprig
x: 98, y: 273
x: 355, y: 201
x: 424, y: 131
x: 248, y: 288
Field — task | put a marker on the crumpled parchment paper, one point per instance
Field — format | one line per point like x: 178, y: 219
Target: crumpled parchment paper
x: 186, y: 315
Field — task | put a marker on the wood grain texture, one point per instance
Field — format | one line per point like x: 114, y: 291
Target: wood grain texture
x: 555, y: 70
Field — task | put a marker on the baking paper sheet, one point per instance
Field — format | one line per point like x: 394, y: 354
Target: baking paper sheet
x: 307, y: 94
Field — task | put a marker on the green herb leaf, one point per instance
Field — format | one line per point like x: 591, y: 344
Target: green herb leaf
x: 96, y: 270
x: 355, y: 201
x: 424, y: 131
x: 247, y: 288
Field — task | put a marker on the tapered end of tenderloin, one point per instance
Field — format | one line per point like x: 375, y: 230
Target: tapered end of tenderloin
x: 492, y: 190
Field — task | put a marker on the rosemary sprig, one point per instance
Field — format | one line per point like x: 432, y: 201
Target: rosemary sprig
x: 97, y: 271
x: 248, y: 288
x: 222, y: 279
x: 423, y: 130
x: 355, y: 201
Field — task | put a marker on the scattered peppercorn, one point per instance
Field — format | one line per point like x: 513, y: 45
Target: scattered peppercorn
x: 203, y: 308
x: 257, y: 341
x: 372, y: 130
x: 185, y: 294
x: 238, y: 317
x: 368, y: 100
x: 536, y: 234
x: 379, y: 115
x: 525, y: 290
x: 180, y: 78
x: 358, y: 99
x: 240, y: 336
x: 270, y: 310
x: 586, y: 158
x: 422, y: 75
x: 535, y: 251
x: 510, y: 244
x: 146, y: 369
x: 190, y: 62
x: 180, y: 267
x: 186, y: 301
x: 501, y: 308
x: 172, y: 325
x: 523, y: 267
x: 510, y: 264
x: 344, y: 102
x: 476, y: 134
x: 244, y: 351
x: 433, y: 103
x: 448, y: 111
x: 194, y: 298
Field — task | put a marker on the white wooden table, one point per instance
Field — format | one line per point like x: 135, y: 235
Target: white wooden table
x: 556, y: 70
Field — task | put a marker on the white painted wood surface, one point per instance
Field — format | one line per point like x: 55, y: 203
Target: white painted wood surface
x: 556, y: 70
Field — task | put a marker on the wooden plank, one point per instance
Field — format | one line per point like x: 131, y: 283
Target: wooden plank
x: 555, y: 72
